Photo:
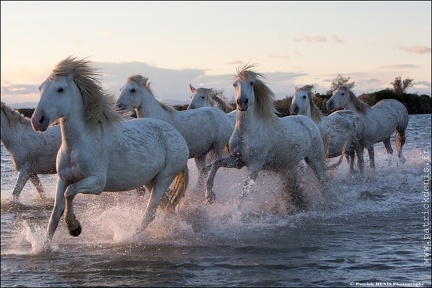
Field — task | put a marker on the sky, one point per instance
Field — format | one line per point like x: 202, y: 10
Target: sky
x: 202, y: 43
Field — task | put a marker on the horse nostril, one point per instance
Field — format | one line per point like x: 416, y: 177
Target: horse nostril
x: 41, y: 120
x: 246, y: 101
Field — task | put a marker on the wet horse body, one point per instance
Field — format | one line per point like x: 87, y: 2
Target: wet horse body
x: 342, y: 131
x: 381, y: 120
x: 206, y: 130
x: 263, y: 141
x: 101, y: 152
x: 31, y: 152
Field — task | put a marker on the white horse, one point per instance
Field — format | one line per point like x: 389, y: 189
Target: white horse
x: 205, y: 130
x: 263, y: 141
x: 32, y: 153
x: 341, y: 130
x: 210, y: 97
x: 100, y: 152
x: 381, y: 120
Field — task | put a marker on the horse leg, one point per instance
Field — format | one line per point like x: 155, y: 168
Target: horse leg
x: 89, y: 185
x: 23, y: 176
x: 293, y: 191
x: 349, y: 154
x: 229, y: 162
x: 360, y: 158
x: 371, y: 153
x: 250, y: 180
x: 57, y: 212
x: 400, y: 142
x: 389, y: 149
x: 200, y: 162
x: 38, y: 184
x: 387, y: 145
x: 161, y: 183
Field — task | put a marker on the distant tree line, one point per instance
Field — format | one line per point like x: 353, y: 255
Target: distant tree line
x: 415, y: 104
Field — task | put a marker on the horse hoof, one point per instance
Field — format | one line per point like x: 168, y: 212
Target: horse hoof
x: 76, y: 232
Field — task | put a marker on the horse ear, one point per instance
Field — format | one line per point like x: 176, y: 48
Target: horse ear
x: 71, y: 75
x: 192, y: 88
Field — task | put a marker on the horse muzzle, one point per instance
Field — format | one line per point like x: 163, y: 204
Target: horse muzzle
x: 294, y: 110
x: 39, y: 122
x: 242, y: 105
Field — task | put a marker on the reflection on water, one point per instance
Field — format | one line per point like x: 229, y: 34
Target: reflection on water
x: 373, y: 232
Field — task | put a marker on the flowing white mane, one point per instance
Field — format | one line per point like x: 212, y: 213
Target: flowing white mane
x: 98, y: 103
x: 263, y: 94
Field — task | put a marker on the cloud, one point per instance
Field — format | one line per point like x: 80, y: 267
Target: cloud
x: 18, y: 89
x: 400, y: 66
x: 311, y: 39
x: 415, y: 49
x: 423, y: 84
x: 337, y: 40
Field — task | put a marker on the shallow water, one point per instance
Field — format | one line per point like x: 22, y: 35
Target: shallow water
x: 372, y: 235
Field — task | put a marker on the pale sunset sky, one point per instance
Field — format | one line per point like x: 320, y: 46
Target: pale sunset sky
x: 202, y: 43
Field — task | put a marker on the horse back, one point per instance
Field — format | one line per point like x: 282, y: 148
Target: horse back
x: 204, y: 128
x: 303, y: 137
x: 384, y: 118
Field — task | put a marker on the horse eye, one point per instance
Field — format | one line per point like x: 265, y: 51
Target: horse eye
x: 304, y: 97
x: 342, y: 94
x: 251, y: 83
x: 133, y: 90
x: 202, y: 97
x: 60, y: 90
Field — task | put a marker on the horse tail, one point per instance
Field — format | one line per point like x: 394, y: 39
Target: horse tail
x: 174, y: 194
x: 401, y: 129
x: 336, y: 165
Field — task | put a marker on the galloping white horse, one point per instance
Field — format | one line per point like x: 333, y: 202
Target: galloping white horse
x: 205, y: 130
x: 99, y: 151
x: 343, y: 128
x: 263, y: 141
x: 209, y: 97
x: 381, y: 120
x: 32, y: 153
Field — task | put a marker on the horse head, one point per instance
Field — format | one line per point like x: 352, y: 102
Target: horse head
x: 131, y: 94
x: 55, y: 100
x: 340, y: 98
x: 251, y: 91
x: 73, y: 87
x: 199, y: 97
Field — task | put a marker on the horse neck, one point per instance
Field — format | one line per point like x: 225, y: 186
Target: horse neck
x: 14, y: 136
x: 356, y: 105
x: 249, y: 121
x: 222, y: 105
x: 152, y: 108
x: 74, y: 126
x: 315, y: 114
x: 351, y: 106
